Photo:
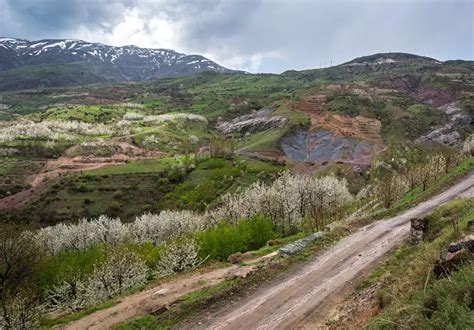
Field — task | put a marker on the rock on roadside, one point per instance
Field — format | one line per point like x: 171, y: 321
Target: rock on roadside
x: 298, y: 245
x: 417, y: 230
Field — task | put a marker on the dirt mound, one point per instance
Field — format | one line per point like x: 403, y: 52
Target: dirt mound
x: 358, y: 127
x: 311, y: 105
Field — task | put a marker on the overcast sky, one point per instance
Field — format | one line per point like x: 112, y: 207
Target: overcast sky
x: 255, y: 35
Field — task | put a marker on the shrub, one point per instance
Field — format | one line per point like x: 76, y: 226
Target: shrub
x: 69, y: 264
x: 213, y: 163
x: 226, y: 239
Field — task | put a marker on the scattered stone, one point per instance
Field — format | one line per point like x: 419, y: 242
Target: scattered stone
x: 235, y: 258
x: 298, y: 245
x: 161, y: 292
x: 417, y: 230
x: 274, y: 242
x: 239, y: 272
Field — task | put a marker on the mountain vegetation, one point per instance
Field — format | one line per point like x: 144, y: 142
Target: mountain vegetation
x: 47, y: 63
x: 126, y: 179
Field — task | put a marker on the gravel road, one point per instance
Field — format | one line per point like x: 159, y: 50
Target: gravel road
x: 288, y: 303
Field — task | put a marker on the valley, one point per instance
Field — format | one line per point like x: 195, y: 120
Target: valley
x: 117, y: 187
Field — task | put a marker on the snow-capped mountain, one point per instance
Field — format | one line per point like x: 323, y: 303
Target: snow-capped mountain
x: 106, y: 63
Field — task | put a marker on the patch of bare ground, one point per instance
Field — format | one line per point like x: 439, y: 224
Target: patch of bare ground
x: 345, y: 309
x: 360, y: 127
x: 65, y: 165
x: 414, y: 87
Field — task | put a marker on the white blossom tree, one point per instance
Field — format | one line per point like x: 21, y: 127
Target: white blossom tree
x: 178, y: 255
x: 122, y: 270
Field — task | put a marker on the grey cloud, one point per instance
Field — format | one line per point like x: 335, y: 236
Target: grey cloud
x: 284, y: 34
x: 52, y: 18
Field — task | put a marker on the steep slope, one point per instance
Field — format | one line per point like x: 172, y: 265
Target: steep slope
x: 23, y: 63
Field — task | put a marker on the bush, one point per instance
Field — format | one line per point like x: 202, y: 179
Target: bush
x: 226, y: 239
x: 88, y: 201
x: 69, y: 264
x: 213, y: 163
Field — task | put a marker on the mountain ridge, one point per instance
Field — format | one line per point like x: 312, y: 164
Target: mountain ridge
x: 109, y: 63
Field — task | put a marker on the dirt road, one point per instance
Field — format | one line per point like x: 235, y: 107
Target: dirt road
x: 286, y: 304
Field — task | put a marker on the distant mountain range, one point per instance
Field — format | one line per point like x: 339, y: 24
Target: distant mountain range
x: 57, y: 62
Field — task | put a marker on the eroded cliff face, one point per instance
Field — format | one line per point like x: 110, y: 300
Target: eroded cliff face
x: 323, y: 145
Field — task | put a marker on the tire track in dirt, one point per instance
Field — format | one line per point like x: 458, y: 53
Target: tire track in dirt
x: 288, y: 303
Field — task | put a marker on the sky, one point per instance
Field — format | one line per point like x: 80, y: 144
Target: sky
x: 255, y: 35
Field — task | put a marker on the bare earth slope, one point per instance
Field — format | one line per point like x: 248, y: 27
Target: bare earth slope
x: 288, y: 303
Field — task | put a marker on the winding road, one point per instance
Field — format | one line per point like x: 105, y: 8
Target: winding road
x: 287, y: 304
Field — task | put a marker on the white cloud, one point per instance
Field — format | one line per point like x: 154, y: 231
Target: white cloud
x: 135, y: 29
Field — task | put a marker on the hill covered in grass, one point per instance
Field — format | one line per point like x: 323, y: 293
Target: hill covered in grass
x: 333, y: 120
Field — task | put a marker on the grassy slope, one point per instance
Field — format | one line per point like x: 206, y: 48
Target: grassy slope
x: 410, y: 294
x: 131, y: 189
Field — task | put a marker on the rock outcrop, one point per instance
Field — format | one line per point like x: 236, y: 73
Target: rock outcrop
x: 322, y: 145
x: 255, y: 122
x: 455, y: 255
x: 448, y: 134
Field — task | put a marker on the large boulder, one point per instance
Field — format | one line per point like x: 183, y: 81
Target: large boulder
x: 455, y: 255
x: 417, y: 230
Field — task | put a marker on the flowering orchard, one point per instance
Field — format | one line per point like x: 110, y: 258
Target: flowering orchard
x: 289, y: 203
